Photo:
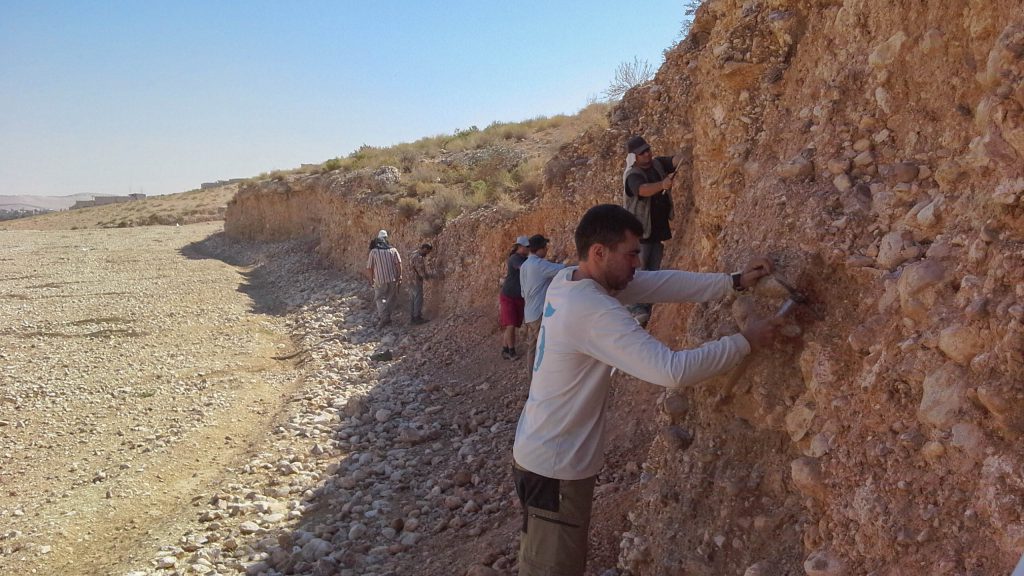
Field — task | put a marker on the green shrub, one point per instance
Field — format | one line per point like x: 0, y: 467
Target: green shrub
x: 440, y: 208
x: 407, y: 207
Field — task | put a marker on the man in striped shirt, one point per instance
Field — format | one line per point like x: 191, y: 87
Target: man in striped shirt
x: 384, y: 270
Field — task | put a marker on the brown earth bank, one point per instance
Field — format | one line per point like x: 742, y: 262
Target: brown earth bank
x: 874, y: 150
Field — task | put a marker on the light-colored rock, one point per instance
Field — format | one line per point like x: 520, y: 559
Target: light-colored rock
x: 675, y: 406
x: 943, y: 397
x: 798, y: 168
x: 918, y: 288
x: 820, y: 445
x: 1007, y: 410
x: 928, y: 216
x: 771, y: 288
x: 865, y: 158
x: 676, y: 438
x: 885, y: 53
x: 947, y: 174
x: 883, y: 99
x: 969, y: 438
x: 933, y: 450
x: 1008, y: 192
x: 932, y: 40
x: 824, y: 563
x: 357, y: 531
x: 961, y: 343
x: 842, y: 183
x: 895, y: 248
x: 807, y: 477
x: 798, y: 421
x: 316, y: 549
x: 837, y: 166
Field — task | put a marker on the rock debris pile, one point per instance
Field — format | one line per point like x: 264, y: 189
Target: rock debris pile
x: 374, y: 460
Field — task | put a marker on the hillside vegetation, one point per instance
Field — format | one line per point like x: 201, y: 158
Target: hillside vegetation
x: 431, y: 180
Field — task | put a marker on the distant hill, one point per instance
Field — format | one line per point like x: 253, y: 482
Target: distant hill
x: 27, y: 202
x: 170, y: 209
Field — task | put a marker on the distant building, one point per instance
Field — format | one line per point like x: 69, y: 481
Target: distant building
x: 106, y: 200
x: 219, y: 183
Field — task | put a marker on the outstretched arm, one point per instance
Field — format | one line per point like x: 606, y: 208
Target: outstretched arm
x: 617, y: 340
x: 679, y: 286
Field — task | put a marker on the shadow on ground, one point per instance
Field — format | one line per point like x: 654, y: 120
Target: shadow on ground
x: 254, y: 269
x: 455, y: 388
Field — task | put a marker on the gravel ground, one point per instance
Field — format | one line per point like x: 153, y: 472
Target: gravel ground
x: 133, y: 375
x: 175, y: 403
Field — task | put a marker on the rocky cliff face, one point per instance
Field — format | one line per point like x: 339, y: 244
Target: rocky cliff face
x: 875, y: 150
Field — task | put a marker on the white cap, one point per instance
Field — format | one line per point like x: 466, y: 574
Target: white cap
x: 382, y: 234
x: 523, y: 241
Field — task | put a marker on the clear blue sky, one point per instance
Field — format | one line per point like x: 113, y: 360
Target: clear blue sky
x: 100, y: 97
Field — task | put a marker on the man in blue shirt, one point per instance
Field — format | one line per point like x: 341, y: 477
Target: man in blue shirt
x: 534, y: 277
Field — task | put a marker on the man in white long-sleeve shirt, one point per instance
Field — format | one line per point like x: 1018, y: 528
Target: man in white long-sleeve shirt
x: 585, y: 332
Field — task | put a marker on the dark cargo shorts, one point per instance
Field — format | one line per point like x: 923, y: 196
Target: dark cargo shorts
x: 556, y: 521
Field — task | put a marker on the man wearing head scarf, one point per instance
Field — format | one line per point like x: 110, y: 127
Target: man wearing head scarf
x: 647, y: 185
x: 384, y: 271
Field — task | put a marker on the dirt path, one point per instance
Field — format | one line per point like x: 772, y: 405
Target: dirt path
x: 133, y: 377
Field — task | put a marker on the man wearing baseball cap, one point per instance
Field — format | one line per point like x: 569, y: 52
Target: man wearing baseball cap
x: 534, y: 276
x: 511, y: 298
x: 647, y: 185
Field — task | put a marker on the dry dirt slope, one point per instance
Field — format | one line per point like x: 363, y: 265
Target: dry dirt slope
x: 875, y: 149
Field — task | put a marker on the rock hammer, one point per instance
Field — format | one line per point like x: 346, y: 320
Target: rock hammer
x: 795, y: 297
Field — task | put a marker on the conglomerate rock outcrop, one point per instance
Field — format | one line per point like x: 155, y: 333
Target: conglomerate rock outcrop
x: 875, y: 150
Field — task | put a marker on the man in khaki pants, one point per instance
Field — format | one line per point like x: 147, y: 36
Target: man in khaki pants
x: 534, y: 276
x: 587, y: 331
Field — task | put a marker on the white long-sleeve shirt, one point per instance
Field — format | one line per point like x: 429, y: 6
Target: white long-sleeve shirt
x: 534, y: 277
x: 585, y: 332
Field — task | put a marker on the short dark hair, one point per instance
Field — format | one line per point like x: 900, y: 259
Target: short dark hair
x: 426, y: 246
x: 605, y: 224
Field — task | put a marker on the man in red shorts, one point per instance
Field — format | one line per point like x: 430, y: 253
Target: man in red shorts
x: 511, y: 298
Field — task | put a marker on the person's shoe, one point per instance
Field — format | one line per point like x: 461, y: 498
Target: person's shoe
x: 419, y: 320
x: 512, y: 354
x: 505, y: 354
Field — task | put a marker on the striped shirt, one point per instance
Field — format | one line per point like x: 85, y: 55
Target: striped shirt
x: 386, y: 265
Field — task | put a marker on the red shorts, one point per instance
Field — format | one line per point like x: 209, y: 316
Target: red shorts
x: 511, y: 310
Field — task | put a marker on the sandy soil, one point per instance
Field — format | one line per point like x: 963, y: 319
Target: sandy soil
x: 132, y: 378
